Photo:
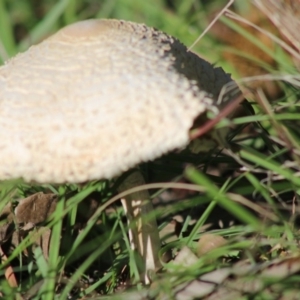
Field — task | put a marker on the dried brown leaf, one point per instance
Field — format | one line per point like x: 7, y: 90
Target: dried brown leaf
x: 42, y: 237
x: 224, y: 294
x: 281, y: 269
x: 9, y: 271
x: 209, y: 242
x: 245, y: 285
x: 194, y: 289
x: 203, y: 286
x: 4, y: 232
x: 6, y: 211
x: 185, y: 257
x: 35, y: 208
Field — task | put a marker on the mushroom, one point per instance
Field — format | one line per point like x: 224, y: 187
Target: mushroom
x: 96, y: 99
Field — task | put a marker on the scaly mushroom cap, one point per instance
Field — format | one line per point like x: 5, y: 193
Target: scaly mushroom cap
x: 97, y: 98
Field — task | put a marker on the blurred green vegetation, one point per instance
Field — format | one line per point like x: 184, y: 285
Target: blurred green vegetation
x: 24, y: 23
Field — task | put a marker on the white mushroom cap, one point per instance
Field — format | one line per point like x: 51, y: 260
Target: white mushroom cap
x: 97, y: 98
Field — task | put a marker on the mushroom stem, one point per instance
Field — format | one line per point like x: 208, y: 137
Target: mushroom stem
x: 143, y: 232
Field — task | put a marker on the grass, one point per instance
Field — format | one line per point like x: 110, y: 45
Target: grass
x: 256, y: 188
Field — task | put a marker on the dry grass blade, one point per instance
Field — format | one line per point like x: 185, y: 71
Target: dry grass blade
x: 285, y: 15
x: 192, y: 187
x: 264, y: 33
x: 232, y: 235
x: 211, y: 23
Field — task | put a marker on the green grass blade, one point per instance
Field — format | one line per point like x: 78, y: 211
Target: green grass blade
x: 238, y: 211
x: 6, y: 33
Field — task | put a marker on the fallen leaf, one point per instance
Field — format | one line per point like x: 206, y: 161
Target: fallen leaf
x: 185, y: 257
x: 208, y: 242
x: 282, y: 268
x: 41, y: 237
x: 35, y: 208
x: 9, y: 271
x: 4, y: 232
